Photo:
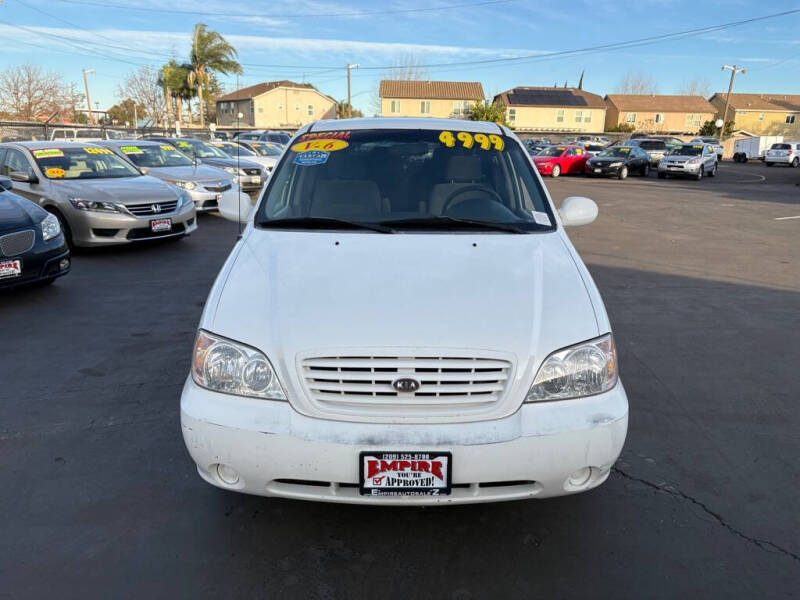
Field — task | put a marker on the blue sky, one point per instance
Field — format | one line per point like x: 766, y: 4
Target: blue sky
x: 279, y: 40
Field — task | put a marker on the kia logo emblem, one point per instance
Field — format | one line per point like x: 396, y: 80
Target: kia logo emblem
x: 406, y: 385
x: 155, y: 208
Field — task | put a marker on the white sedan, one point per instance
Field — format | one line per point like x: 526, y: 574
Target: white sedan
x: 405, y: 321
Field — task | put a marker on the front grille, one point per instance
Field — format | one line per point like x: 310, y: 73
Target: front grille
x: 218, y: 189
x: 446, y: 383
x: 17, y: 243
x: 152, y: 208
x: 252, y: 171
x: 144, y: 233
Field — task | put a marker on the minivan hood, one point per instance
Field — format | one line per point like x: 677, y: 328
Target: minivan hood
x: 293, y: 292
x: 122, y: 189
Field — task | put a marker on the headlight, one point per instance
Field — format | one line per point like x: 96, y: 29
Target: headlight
x: 94, y: 205
x: 50, y: 227
x: 693, y: 161
x: 616, y: 164
x: 231, y: 170
x: 184, y: 199
x: 582, y: 370
x: 223, y: 365
x: 186, y: 185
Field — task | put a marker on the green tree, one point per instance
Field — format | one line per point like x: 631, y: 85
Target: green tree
x: 211, y: 53
x: 342, y: 112
x: 173, y: 78
x: 710, y: 128
x: 483, y: 110
x: 621, y: 128
x: 124, y: 112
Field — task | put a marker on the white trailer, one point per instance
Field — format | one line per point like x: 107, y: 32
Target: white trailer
x: 753, y: 148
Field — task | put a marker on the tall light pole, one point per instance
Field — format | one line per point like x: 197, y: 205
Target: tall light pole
x: 350, y: 106
x: 734, y: 70
x: 88, y: 100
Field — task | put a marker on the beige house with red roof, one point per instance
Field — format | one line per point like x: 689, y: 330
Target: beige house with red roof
x: 443, y: 99
x: 275, y: 105
x: 771, y: 114
x: 656, y: 113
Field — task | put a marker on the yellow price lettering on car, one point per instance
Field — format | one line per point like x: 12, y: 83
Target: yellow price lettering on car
x: 55, y: 172
x: 97, y: 151
x: 184, y: 144
x: 483, y: 140
x: 166, y: 147
x: 324, y: 145
x: 578, y: 151
x: 447, y: 138
x: 624, y: 149
x: 498, y: 142
x: 466, y: 139
x: 698, y: 146
x: 131, y: 150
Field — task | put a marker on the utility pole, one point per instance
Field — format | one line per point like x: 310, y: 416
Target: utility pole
x: 350, y: 106
x: 734, y: 70
x: 88, y: 100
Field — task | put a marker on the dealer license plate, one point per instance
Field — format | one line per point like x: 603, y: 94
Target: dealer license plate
x: 10, y: 268
x: 157, y: 225
x: 598, y: 170
x: 405, y: 473
x: 255, y: 180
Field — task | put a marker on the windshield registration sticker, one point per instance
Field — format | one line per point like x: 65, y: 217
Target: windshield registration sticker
x: 52, y: 153
x: 131, y: 150
x: 323, y: 145
x: 311, y: 158
x: 54, y: 173
x: 541, y: 218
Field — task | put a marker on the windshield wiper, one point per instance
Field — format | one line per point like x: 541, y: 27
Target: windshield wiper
x: 321, y: 223
x: 453, y: 223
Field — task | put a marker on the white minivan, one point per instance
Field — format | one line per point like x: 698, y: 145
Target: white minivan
x: 405, y: 321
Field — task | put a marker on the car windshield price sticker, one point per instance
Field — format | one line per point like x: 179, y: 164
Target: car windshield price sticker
x: 50, y: 153
x: 405, y: 473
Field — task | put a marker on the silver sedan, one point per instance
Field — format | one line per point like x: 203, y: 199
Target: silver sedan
x: 99, y: 198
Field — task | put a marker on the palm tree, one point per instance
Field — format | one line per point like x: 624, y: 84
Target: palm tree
x: 210, y: 53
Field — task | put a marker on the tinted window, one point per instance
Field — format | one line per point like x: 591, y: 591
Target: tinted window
x: 375, y: 176
x: 653, y: 145
x: 781, y: 147
x: 622, y: 151
x: 15, y: 161
x: 148, y: 155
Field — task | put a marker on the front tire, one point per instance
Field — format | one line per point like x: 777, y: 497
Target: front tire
x: 646, y: 170
x: 796, y: 162
x: 700, y: 174
x: 662, y: 175
x: 713, y: 172
x: 623, y: 173
x: 556, y: 171
x: 769, y: 164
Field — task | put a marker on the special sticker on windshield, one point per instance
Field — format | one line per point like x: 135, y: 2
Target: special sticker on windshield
x: 325, y: 135
x: 51, y: 153
x: 311, y: 158
x: 468, y: 140
x: 323, y: 145
x: 97, y: 151
x: 131, y: 150
x: 54, y: 173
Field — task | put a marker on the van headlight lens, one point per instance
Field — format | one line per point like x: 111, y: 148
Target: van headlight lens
x: 581, y: 370
x: 50, y: 227
x: 223, y: 365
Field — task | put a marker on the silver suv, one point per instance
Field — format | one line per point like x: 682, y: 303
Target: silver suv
x: 689, y: 160
x: 99, y: 198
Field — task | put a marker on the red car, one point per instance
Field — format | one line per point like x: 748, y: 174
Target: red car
x: 560, y: 160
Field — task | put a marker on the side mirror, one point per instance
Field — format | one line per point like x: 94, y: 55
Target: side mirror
x: 23, y: 177
x: 144, y: 170
x: 577, y: 210
x: 235, y: 206
x: 5, y: 184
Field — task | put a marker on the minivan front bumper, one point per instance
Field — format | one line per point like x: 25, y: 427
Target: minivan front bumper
x: 275, y: 451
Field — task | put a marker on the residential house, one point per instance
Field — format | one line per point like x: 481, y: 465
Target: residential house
x: 445, y: 99
x: 772, y: 114
x: 655, y: 113
x: 274, y: 105
x: 568, y: 110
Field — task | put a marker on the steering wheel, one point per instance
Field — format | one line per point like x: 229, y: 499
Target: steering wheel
x: 470, y: 188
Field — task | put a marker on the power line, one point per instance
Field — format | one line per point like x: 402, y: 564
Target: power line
x: 362, y: 13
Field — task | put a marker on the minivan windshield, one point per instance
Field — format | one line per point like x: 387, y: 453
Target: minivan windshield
x: 155, y: 155
x: 687, y: 150
x: 406, y: 179
x: 77, y: 162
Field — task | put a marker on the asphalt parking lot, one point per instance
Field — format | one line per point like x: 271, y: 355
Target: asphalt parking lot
x: 702, y: 284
